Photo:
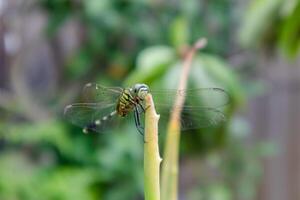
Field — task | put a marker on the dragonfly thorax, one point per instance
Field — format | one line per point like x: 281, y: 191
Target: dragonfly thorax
x: 131, y: 97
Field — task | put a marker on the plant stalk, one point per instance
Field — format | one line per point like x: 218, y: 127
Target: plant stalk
x: 170, y: 164
x: 151, y: 152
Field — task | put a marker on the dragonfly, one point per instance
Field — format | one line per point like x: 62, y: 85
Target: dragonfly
x: 104, y: 107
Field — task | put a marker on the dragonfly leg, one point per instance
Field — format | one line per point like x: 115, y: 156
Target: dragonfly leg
x: 142, y: 108
x: 137, y: 121
x: 145, y: 108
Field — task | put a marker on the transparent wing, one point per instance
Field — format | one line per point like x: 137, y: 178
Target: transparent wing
x: 85, y: 115
x: 96, y: 93
x: 202, y: 108
x: 194, y: 117
x: 201, y: 97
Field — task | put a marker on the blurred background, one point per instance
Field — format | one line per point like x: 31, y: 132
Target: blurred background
x: 49, y: 49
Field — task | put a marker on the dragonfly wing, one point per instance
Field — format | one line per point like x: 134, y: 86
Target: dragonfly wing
x: 93, y: 92
x: 195, y: 117
x: 201, y: 97
x: 201, y: 117
x: 96, y: 117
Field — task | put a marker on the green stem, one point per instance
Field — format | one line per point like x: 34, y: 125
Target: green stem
x: 151, y: 152
x: 171, y: 154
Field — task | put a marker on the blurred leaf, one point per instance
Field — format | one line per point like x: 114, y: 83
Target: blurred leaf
x: 210, y: 71
x: 207, y: 71
x: 288, y: 7
x: 171, y: 77
x: 289, y: 36
x: 260, y: 15
x: 152, y: 63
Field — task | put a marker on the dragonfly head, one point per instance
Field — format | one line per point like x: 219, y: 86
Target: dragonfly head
x: 141, y: 90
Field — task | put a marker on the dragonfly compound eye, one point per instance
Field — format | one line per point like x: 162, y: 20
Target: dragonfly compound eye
x: 141, y: 90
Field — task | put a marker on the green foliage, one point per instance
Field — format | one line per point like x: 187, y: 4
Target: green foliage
x: 258, y: 19
x: 152, y: 63
x: 220, y: 75
x: 122, y: 43
x: 47, y: 161
x: 48, y: 133
x: 289, y: 36
x: 272, y: 22
x: 23, y: 179
x: 179, y: 32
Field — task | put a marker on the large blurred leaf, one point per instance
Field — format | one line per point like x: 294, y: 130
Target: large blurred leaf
x: 152, y: 63
x: 259, y: 17
x: 220, y: 75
